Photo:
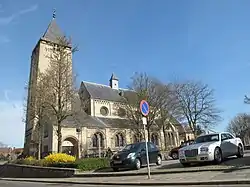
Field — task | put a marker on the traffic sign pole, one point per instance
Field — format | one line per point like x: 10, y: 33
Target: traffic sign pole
x: 144, y: 121
x: 144, y: 107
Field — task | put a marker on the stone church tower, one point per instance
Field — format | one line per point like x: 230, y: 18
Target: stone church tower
x: 39, y: 63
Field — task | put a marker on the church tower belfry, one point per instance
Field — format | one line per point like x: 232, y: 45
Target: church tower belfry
x: 114, y: 81
x: 39, y: 63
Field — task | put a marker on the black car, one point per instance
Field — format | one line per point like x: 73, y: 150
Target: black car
x: 174, y: 152
x: 134, y: 156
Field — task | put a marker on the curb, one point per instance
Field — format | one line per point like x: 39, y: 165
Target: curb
x: 218, y: 182
x: 120, y: 174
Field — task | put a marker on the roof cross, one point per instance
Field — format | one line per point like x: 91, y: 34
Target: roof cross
x: 54, y: 13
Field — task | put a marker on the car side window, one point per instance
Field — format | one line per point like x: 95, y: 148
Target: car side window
x: 224, y: 137
x: 229, y: 136
x: 143, y: 147
x: 151, y: 146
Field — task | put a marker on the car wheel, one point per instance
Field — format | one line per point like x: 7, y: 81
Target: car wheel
x: 174, y: 156
x: 115, y: 169
x: 158, y: 160
x: 240, y: 151
x: 185, y: 164
x: 217, y: 156
x: 137, y: 164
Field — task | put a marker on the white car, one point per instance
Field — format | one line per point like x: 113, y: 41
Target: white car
x: 211, y: 147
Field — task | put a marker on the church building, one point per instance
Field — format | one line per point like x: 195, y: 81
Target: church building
x: 101, y: 121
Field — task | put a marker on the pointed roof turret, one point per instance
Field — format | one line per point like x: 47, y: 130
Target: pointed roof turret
x: 53, y: 31
x: 113, y: 77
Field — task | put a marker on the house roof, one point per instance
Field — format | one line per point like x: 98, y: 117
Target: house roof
x: 103, y: 92
x: 115, y: 122
x: 82, y: 119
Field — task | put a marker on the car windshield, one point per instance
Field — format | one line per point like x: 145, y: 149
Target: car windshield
x: 207, y: 138
x: 130, y: 147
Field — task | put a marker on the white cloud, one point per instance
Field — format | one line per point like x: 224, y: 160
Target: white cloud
x: 9, y: 19
x: 11, y: 123
x: 30, y: 9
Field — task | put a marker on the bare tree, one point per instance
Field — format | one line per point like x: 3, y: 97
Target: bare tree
x: 61, y: 84
x: 38, y: 113
x: 197, y: 105
x: 149, y: 89
x: 169, y: 110
x: 240, y: 125
x: 246, y: 100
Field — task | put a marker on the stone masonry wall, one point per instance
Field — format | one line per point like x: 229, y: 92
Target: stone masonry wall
x: 22, y: 171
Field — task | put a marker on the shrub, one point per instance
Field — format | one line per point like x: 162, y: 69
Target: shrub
x: 30, y: 158
x: 27, y: 161
x: 88, y: 164
x: 66, y: 161
x: 59, y: 158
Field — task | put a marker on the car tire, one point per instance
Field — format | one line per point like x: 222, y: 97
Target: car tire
x: 240, y: 151
x: 175, y: 155
x: 159, y: 161
x: 217, y: 156
x: 115, y: 169
x: 185, y: 164
x: 137, y: 164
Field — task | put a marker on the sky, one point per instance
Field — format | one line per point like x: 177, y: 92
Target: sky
x: 207, y: 41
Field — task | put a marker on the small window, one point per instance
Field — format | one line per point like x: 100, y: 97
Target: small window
x: 104, y: 111
x: 151, y: 146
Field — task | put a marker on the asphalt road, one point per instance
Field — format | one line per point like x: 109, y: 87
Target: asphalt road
x: 31, y: 184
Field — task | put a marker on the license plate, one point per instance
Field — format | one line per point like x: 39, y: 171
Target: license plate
x: 191, y: 158
x: 117, y: 162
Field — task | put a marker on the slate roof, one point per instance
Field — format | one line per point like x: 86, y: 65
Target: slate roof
x: 53, y: 32
x: 99, y: 91
x: 116, y: 122
x: 84, y: 120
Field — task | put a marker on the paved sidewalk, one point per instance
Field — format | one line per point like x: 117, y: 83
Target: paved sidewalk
x: 241, y: 176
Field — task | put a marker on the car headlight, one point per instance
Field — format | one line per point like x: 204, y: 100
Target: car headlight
x: 204, y: 149
x: 131, y: 155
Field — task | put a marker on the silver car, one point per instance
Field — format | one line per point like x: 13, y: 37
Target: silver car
x: 211, y: 147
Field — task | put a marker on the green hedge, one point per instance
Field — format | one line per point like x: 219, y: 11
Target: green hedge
x: 89, y: 164
x: 86, y: 164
